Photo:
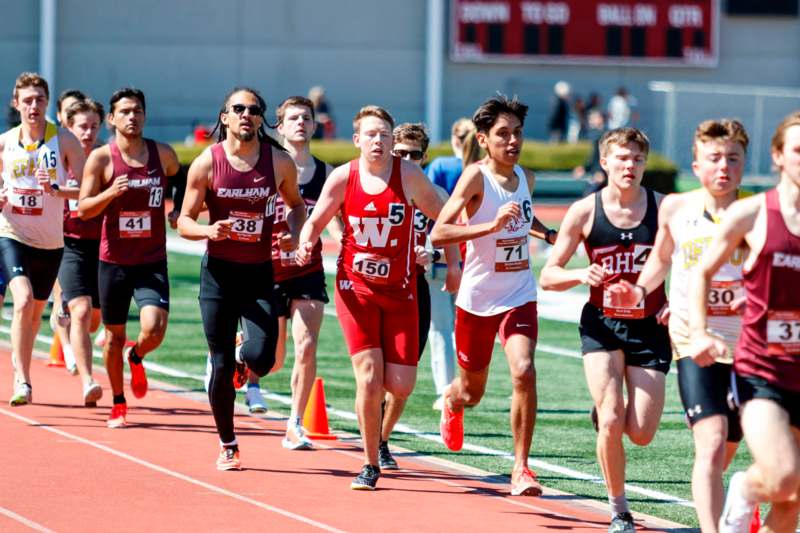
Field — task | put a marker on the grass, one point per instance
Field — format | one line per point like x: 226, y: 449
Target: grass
x: 563, y: 436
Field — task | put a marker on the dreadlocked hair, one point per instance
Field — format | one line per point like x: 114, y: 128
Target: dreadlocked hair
x: 263, y: 136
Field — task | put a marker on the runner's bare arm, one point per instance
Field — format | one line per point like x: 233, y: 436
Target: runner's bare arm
x: 419, y: 190
x: 554, y: 275
x: 73, y: 159
x: 328, y: 205
x: 286, y: 182
x: 98, y: 170
x: 738, y: 223
x: 197, y: 181
x: 466, y: 196
x: 169, y: 159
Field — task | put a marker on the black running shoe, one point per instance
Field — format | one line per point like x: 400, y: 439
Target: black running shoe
x: 367, y: 479
x: 385, y: 459
x: 622, y: 523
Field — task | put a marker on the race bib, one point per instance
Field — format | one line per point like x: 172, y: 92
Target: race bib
x: 371, y: 266
x: 28, y: 202
x: 634, y: 312
x: 511, y: 255
x: 783, y: 332
x: 721, y: 295
x: 246, y: 226
x: 134, y: 224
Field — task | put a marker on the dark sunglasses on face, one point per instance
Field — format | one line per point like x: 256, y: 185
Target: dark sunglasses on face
x: 416, y: 155
x: 254, y: 110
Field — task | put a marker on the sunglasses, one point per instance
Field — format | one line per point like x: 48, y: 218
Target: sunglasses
x: 416, y: 155
x: 254, y: 110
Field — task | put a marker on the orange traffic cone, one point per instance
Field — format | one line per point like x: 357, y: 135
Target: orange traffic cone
x: 315, y: 419
x: 56, y: 353
x: 755, y: 523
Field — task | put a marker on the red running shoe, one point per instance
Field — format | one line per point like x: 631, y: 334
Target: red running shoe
x: 240, y: 372
x: 138, y: 376
x: 524, y: 483
x: 117, y: 417
x: 451, y: 427
x: 229, y: 459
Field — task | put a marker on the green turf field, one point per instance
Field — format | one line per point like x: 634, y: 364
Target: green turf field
x: 563, y: 437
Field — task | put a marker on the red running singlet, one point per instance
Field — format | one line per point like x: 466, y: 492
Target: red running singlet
x: 769, y: 344
x: 134, y: 230
x: 246, y: 198
x: 74, y: 227
x: 378, y: 242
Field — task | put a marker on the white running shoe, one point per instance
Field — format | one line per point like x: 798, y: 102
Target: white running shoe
x: 69, y: 358
x: 255, y: 401
x: 296, y: 439
x: 23, y: 395
x: 437, y: 405
x: 738, y: 512
x: 91, y: 393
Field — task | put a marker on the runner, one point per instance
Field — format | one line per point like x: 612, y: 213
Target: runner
x: 35, y: 156
x: 376, y: 194
x: 444, y: 172
x: 59, y: 314
x: 124, y: 182
x: 687, y: 222
x: 300, y: 292
x: 766, y: 379
x: 411, y: 143
x: 77, y: 275
x: 239, y: 178
x: 498, y: 290
x: 621, y: 346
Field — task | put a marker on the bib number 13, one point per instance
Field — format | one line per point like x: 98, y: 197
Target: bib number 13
x: 156, y: 197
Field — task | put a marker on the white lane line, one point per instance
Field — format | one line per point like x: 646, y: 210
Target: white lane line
x: 24, y: 521
x: 434, y: 437
x: 172, y: 473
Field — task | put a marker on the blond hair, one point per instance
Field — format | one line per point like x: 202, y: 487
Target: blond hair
x: 372, y: 111
x: 621, y: 137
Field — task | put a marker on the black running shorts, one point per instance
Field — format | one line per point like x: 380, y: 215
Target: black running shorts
x: 147, y: 284
x: 747, y: 388
x: 308, y: 287
x: 644, y: 342
x: 38, y: 265
x: 704, y: 392
x: 78, y: 272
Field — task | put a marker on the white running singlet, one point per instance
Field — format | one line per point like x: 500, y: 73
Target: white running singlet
x: 32, y: 216
x: 497, y: 273
x: 692, y: 228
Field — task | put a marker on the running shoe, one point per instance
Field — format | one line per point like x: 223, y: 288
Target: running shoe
x: 69, y: 359
x: 23, y: 395
x: 117, y: 418
x: 622, y: 523
x: 229, y: 459
x: 254, y: 400
x: 241, y: 373
x: 738, y: 512
x: 100, y: 338
x: 451, y: 427
x: 296, y: 439
x: 92, y: 392
x: 437, y: 405
x: 385, y: 459
x: 367, y: 479
x: 138, y: 375
x: 524, y: 483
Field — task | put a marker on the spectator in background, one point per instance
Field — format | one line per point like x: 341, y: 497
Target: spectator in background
x: 557, y: 124
x: 444, y: 172
x: 326, y: 129
x: 576, y: 128
x: 596, y: 176
x: 594, y: 103
x: 621, y: 112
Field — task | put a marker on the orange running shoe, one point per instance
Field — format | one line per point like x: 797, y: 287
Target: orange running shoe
x: 117, y: 417
x: 138, y: 375
x: 229, y: 459
x: 240, y: 372
x: 451, y: 427
x: 524, y: 483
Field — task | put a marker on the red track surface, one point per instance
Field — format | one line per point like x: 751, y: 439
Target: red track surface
x: 65, y: 471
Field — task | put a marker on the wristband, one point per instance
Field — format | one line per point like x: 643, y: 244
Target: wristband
x: 644, y: 293
x: 547, y: 235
